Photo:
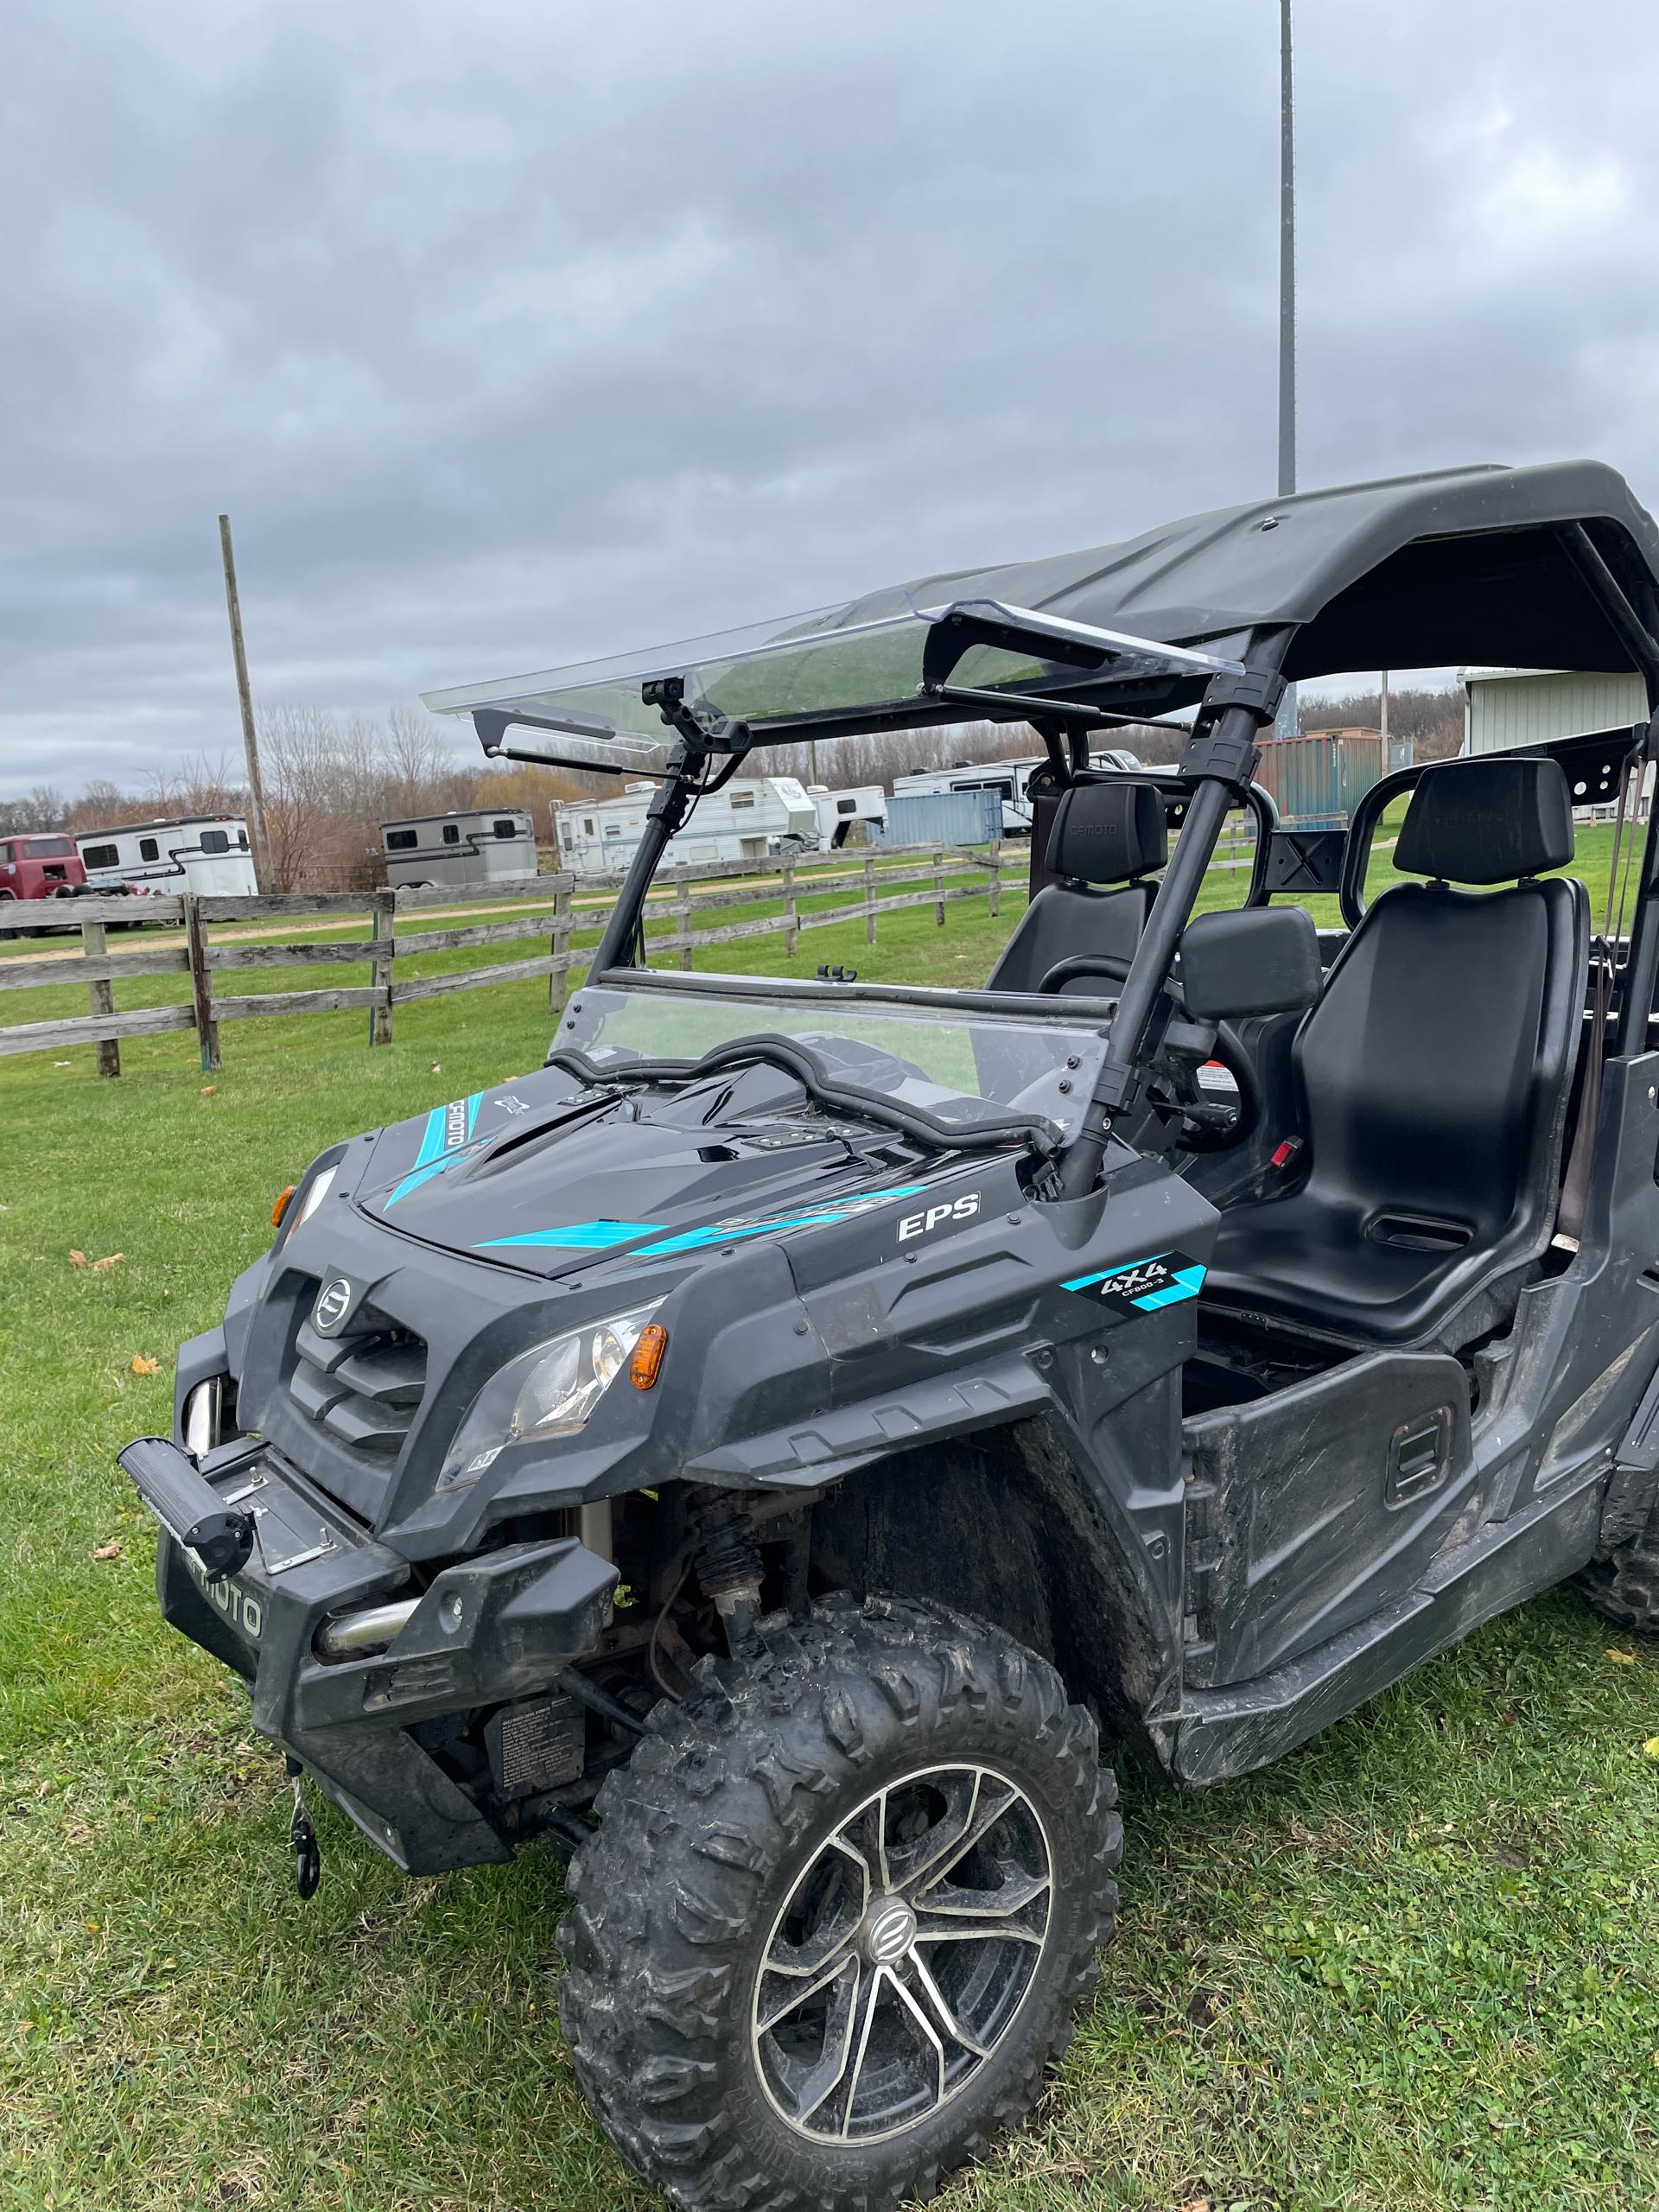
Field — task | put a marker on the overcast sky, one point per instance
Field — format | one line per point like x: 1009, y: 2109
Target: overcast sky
x: 513, y: 332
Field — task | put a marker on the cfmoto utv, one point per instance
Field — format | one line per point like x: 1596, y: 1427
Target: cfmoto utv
x: 764, y: 1449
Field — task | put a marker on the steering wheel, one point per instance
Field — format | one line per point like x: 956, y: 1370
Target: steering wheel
x: 1198, y: 1122
x: 1115, y: 966
x: 1173, y: 1092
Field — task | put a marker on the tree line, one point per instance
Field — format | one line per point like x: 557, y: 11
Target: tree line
x: 330, y: 780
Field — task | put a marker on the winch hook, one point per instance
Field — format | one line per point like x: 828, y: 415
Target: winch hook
x: 302, y: 1838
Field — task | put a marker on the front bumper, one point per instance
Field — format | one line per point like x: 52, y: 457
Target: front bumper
x: 493, y: 1627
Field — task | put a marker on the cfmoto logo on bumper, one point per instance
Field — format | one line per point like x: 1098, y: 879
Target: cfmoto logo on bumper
x: 334, y: 1304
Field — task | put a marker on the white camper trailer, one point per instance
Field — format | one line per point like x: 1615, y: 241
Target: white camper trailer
x: 473, y: 846
x: 206, y: 853
x: 746, y: 821
x: 1008, y: 779
x: 838, y: 810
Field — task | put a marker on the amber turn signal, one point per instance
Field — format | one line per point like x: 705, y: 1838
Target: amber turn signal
x: 647, y: 1363
x: 280, y: 1206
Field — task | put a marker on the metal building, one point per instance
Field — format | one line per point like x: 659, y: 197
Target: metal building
x: 1529, y: 706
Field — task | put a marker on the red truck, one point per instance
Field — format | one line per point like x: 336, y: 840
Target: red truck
x: 38, y: 868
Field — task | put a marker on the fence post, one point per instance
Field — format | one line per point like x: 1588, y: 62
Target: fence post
x: 682, y: 914
x: 996, y: 877
x: 792, y: 913
x: 558, y: 983
x: 938, y: 885
x: 383, y: 933
x: 100, y: 997
x: 869, y: 898
x: 201, y: 986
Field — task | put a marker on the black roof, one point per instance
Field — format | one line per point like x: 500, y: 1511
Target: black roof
x: 1453, y: 565
x: 1548, y: 567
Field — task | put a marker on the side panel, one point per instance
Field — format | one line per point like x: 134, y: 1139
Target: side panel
x: 1557, y: 1397
x: 1319, y: 1505
x: 1229, y: 1732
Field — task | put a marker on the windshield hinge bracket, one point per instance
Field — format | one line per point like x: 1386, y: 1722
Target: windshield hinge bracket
x: 667, y: 695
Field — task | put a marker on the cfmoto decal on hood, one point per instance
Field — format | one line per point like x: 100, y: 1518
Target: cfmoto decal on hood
x: 1141, y: 1285
x: 604, y: 1235
x: 445, y: 1139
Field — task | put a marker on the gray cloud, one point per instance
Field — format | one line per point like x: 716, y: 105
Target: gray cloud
x: 512, y: 334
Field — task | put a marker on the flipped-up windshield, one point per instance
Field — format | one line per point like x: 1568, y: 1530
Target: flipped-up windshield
x: 831, y: 661
x: 958, y: 1068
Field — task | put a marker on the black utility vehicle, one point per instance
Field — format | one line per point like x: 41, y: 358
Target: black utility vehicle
x: 760, y: 1448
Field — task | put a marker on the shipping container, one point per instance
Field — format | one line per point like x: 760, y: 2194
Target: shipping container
x: 973, y: 817
x: 1317, y: 781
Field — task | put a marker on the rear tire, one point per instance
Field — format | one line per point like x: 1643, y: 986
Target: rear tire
x: 1624, y: 1586
x: 771, y: 1835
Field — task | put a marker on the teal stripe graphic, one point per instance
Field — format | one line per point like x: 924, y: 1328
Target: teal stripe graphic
x: 578, y: 1236
x: 436, y: 1152
x: 1187, y: 1284
x: 604, y: 1236
x: 693, y: 1240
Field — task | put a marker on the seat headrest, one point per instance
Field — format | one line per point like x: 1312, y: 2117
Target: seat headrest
x: 1486, y: 821
x: 1108, y: 833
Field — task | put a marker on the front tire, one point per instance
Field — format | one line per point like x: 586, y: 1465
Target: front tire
x: 843, y: 1906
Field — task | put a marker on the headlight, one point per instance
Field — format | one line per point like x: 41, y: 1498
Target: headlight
x: 321, y: 1187
x: 550, y: 1390
x: 283, y: 1216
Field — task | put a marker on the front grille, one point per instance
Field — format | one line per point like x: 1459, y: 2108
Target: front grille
x: 365, y: 1386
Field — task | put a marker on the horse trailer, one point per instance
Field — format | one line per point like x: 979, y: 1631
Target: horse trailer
x: 208, y: 855
x: 838, y: 810
x: 468, y: 846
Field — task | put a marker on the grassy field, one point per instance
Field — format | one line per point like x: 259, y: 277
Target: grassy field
x: 1413, y: 1966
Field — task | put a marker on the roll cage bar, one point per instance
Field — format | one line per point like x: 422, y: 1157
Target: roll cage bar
x: 1235, y: 699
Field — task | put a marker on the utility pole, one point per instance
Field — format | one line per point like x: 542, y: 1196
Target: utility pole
x: 1286, y: 723
x: 250, y: 737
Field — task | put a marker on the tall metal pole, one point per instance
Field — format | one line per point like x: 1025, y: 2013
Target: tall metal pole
x: 250, y: 738
x: 1286, y: 721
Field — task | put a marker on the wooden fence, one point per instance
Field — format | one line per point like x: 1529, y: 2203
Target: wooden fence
x: 560, y: 907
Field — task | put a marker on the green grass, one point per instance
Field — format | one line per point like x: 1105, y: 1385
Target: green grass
x: 1411, y: 1967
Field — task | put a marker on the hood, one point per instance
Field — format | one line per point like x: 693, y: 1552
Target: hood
x: 548, y: 1175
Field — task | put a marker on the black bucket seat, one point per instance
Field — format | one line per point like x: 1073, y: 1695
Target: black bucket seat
x: 1432, y: 1079
x: 1112, y: 833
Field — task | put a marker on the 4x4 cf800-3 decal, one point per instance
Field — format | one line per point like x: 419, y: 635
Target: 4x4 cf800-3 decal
x: 1141, y: 1285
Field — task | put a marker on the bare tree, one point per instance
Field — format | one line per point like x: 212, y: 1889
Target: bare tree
x: 40, y: 809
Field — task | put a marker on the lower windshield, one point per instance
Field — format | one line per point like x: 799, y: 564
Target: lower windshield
x: 957, y: 1066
